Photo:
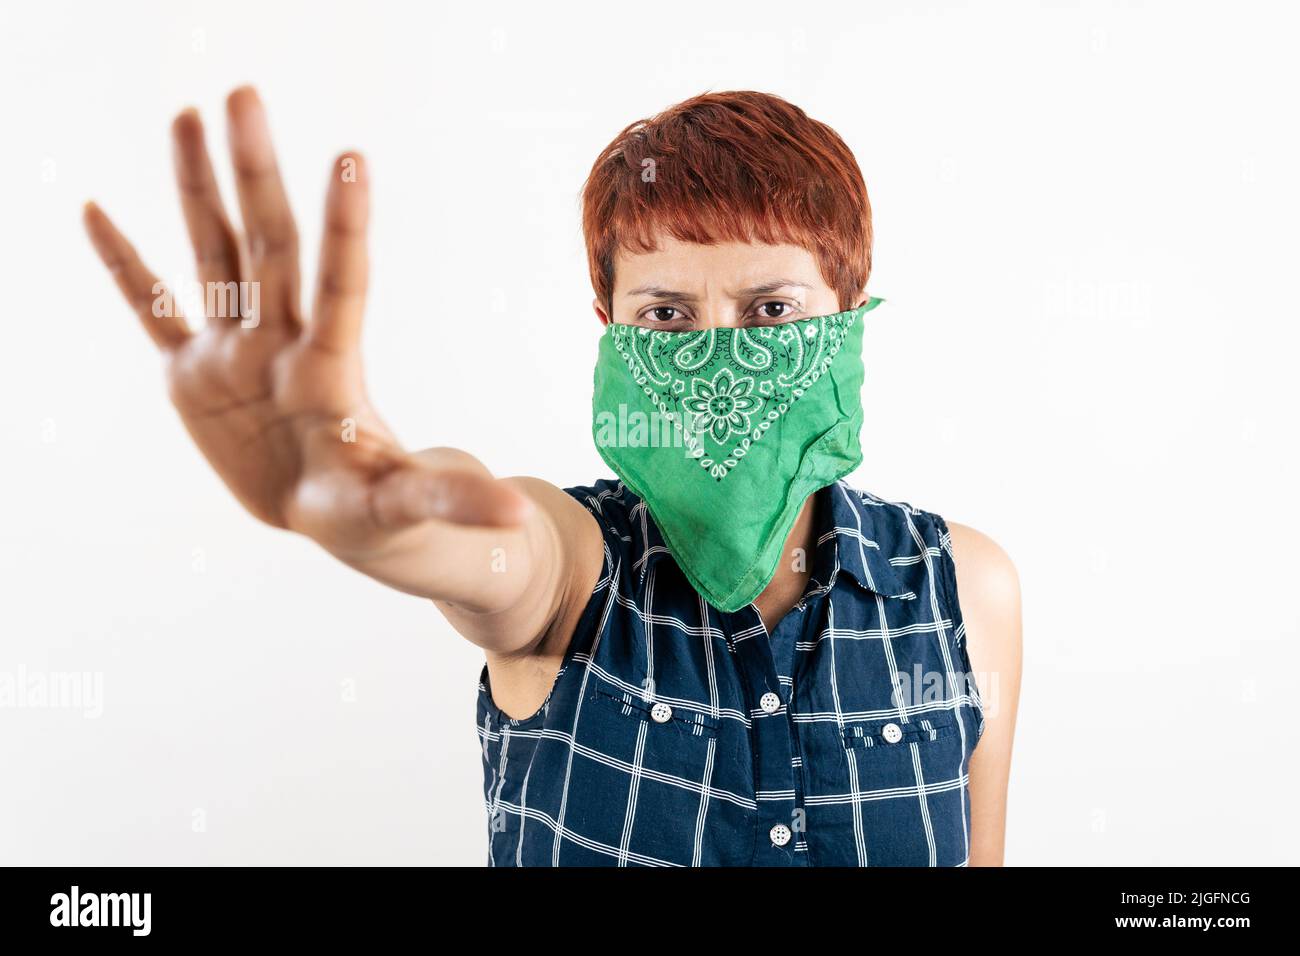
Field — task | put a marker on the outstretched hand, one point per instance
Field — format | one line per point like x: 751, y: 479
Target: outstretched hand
x: 274, y: 398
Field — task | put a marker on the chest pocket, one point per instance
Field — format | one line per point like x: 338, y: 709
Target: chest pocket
x: 669, y: 746
x: 646, y: 773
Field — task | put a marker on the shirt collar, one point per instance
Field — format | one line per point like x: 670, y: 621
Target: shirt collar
x: 844, y: 543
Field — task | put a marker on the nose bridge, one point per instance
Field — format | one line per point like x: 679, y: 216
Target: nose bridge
x: 718, y: 310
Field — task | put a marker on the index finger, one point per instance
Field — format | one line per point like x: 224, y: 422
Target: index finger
x: 342, y: 274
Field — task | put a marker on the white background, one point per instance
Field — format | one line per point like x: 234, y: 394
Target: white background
x: 1085, y: 222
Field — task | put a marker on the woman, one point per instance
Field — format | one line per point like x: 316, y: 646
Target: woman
x: 725, y: 657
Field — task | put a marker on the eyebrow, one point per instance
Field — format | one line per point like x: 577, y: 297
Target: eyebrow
x: 763, y: 288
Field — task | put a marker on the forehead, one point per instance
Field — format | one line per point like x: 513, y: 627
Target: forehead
x: 690, y: 266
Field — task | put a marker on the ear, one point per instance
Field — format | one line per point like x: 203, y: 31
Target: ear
x: 600, y: 312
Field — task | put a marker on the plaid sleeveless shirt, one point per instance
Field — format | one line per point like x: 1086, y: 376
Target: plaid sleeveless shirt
x: 679, y: 735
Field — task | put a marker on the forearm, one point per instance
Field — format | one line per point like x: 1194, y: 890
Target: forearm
x: 501, y: 587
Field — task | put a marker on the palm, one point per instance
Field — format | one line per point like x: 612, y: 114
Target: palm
x: 258, y: 406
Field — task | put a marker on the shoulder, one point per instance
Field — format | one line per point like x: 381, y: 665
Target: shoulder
x: 989, y: 589
x: 900, y: 530
x: 986, y: 576
x: 602, y: 494
x: 613, y: 506
x: 628, y: 533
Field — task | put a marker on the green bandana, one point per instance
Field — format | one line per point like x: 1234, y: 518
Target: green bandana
x: 724, y: 433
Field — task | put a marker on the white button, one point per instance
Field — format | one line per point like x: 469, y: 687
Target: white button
x: 661, y: 713
x: 780, y: 834
x: 770, y: 703
x: 893, y: 733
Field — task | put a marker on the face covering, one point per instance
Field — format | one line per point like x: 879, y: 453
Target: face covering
x: 724, y: 433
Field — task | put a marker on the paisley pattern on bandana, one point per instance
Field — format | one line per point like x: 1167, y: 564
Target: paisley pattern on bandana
x: 723, y: 389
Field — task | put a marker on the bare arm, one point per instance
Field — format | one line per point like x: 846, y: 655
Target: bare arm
x: 277, y: 404
x: 989, y: 591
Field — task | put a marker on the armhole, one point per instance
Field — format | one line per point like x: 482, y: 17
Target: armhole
x: 592, y: 619
x: 584, y: 631
x: 952, y: 604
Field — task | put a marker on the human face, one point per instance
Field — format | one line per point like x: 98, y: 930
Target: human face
x: 683, y: 286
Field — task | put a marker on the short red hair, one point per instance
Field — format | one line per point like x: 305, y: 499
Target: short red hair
x: 738, y: 166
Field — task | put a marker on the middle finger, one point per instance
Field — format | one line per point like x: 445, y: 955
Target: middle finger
x: 216, y: 251
x: 268, y: 221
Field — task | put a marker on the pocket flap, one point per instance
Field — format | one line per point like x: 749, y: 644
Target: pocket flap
x: 668, y: 714
x: 890, y: 732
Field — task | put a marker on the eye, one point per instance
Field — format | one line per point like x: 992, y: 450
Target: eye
x: 666, y: 318
x: 768, y: 312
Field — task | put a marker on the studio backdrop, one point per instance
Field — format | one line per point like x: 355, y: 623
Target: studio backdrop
x: 1085, y: 233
